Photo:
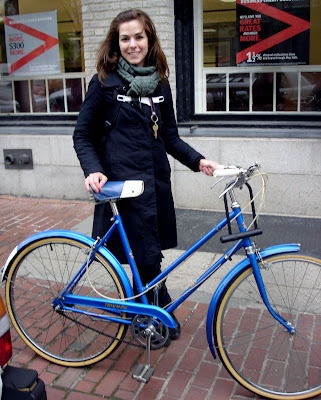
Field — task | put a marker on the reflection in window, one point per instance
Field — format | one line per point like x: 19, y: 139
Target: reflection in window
x: 30, y: 95
x: 310, y: 91
x: 219, y: 33
x: 38, y: 93
x: 239, y: 86
x: 36, y: 90
x: 74, y: 94
x: 259, y: 88
x: 6, y: 97
x: 56, y: 95
x: 71, y: 44
x: 287, y: 91
x: 21, y: 89
x: 262, y: 92
x: 216, y: 92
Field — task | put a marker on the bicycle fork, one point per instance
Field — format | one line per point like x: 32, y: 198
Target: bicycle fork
x: 253, y: 256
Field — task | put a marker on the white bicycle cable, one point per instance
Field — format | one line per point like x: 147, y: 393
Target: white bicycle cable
x: 104, y: 296
x: 264, y: 178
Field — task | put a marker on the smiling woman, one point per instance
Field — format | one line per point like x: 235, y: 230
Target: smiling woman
x: 133, y: 42
x: 132, y: 70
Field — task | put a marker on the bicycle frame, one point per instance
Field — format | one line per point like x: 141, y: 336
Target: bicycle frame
x: 262, y: 320
x: 131, y: 307
x: 119, y: 307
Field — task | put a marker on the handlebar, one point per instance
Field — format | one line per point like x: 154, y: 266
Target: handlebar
x: 232, y: 170
x: 226, y: 171
x: 240, y: 175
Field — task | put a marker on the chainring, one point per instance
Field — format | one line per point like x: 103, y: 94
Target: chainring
x: 159, y: 331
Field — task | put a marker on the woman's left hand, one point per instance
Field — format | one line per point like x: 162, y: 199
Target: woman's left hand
x: 208, y: 166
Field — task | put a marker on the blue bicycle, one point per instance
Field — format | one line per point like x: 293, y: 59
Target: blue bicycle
x: 71, y: 300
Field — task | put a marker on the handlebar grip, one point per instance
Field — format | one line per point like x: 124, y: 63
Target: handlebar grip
x: 226, y: 172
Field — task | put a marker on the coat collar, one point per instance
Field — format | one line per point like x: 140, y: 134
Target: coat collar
x: 112, y: 80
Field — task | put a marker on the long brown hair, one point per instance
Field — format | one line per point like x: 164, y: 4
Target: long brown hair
x: 109, y: 52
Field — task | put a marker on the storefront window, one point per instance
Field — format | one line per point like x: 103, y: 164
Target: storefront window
x: 38, y: 91
x: 260, y: 56
x: 287, y: 91
x: 239, y: 86
x: 219, y: 33
x: 41, y: 56
x: 56, y: 95
x: 311, y: 91
x: 238, y: 92
x: 21, y: 90
x: 216, y: 92
x: 74, y: 94
x: 262, y: 92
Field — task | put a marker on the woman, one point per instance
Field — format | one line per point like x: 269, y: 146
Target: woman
x: 133, y: 71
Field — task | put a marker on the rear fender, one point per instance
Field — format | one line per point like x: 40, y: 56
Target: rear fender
x: 70, y: 235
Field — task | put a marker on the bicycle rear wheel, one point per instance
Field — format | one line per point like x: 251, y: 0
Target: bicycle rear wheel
x: 37, y: 276
x: 257, y: 350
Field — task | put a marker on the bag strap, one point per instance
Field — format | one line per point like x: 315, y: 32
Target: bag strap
x: 112, y: 113
x: 143, y: 100
x: 113, y: 108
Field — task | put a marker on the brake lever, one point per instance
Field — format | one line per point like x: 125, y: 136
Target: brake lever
x: 220, y: 180
x: 228, y: 187
x: 225, y: 167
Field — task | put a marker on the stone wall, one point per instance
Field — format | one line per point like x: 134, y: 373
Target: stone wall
x: 293, y: 167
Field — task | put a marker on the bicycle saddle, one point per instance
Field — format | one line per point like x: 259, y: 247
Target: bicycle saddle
x: 113, y: 190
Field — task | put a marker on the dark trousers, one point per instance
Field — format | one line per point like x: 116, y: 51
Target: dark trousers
x: 147, y: 274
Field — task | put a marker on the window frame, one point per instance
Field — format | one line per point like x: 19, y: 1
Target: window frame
x: 200, y: 73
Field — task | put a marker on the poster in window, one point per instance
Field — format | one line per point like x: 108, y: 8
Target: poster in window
x: 273, y: 32
x: 32, y: 44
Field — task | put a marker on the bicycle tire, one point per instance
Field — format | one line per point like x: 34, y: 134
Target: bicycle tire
x: 255, y: 348
x: 37, y: 276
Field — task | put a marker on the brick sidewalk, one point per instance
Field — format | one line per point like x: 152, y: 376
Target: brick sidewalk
x: 22, y: 217
x: 184, y: 370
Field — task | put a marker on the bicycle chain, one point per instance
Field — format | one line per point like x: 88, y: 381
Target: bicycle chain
x: 112, y: 337
x: 102, y: 333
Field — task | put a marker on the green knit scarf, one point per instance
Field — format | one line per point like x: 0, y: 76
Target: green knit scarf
x: 142, y: 80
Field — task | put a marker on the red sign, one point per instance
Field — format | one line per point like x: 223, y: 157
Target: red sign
x: 255, y: 38
x: 22, y: 49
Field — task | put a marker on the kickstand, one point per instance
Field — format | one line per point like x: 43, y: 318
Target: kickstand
x: 142, y: 372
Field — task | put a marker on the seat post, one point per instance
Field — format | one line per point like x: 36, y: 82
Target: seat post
x: 114, y: 208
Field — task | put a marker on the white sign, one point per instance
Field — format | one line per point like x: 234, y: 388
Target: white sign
x: 32, y: 44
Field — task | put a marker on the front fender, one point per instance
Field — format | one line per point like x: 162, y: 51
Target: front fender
x: 269, y: 251
x: 70, y: 235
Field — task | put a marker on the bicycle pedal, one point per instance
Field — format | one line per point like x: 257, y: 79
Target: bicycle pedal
x: 143, y: 373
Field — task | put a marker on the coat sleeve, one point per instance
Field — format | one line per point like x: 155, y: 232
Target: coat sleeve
x: 175, y: 146
x: 87, y: 131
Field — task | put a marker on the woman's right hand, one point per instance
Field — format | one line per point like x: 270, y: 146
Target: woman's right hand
x: 96, y: 181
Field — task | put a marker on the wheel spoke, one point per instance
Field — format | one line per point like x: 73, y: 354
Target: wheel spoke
x: 37, y: 278
x: 254, y: 347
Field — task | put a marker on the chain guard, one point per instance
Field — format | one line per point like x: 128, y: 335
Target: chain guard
x: 159, y: 331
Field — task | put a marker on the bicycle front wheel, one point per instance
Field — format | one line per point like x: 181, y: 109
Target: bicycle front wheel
x: 38, y: 276
x: 255, y: 348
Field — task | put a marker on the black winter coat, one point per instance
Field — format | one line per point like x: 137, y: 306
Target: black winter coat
x: 130, y: 151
